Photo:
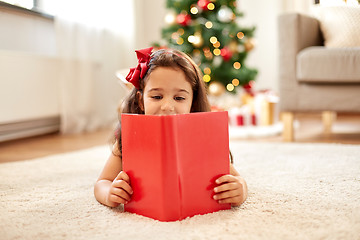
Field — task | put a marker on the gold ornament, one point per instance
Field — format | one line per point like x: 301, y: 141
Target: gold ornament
x: 249, y: 44
x: 233, y: 46
x: 216, y: 88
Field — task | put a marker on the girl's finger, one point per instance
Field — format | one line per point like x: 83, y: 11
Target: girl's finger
x: 117, y: 199
x: 233, y: 200
x: 225, y: 178
x: 121, y: 184
x: 121, y: 193
x: 227, y: 187
x: 123, y: 176
x: 227, y: 194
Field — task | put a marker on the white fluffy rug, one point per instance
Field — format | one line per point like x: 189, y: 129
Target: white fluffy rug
x: 296, y: 191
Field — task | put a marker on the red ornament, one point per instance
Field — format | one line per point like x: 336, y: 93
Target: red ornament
x: 203, y: 4
x: 226, y: 54
x: 249, y: 88
x: 183, y: 19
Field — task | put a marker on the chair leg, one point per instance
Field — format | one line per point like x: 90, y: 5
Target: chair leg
x: 328, y: 117
x: 288, y: 122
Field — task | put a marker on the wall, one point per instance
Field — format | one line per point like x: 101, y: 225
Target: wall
x: 149, y: 21
x: 264, y: 57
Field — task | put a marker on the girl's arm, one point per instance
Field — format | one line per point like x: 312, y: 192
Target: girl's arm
x: 113, y: 185
x: 231, y: 188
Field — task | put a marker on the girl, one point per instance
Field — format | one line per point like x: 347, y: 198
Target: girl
x: 166, y: 82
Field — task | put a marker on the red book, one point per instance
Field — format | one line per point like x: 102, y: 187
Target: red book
x: 173, y: 162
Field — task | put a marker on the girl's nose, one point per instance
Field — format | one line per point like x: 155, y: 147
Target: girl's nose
x: 167, y: 107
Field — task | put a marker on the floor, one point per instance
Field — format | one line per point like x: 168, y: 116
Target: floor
x: 346, y: 130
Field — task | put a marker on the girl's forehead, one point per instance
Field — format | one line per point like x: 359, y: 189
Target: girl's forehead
x: 167, y: 78
x: 167, y: 73
x: 167, y: 69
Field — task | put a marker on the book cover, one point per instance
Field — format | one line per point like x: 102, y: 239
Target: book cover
x: 173, y: 162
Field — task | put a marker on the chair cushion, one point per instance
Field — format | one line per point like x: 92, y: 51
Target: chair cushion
x: 329, y: 65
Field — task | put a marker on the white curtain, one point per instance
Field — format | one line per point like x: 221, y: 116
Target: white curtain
x: 94, y: 39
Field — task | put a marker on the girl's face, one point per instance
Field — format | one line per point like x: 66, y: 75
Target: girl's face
x: 167, y: 92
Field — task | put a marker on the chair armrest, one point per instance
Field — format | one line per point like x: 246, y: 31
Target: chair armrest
x: 298, y: 31
x: 295, y: 32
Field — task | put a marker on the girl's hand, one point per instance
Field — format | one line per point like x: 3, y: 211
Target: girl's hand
x: 231, y: 189
x: 120, y: 190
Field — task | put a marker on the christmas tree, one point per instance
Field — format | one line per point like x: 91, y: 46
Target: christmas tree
x: 209, y: 32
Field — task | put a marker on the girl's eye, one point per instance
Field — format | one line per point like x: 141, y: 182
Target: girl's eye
x: 179, y: 98
x: 156, y: 97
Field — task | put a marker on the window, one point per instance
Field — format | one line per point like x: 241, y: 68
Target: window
x: 29, y: 4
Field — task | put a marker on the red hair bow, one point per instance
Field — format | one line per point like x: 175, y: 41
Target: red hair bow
x: 139, y: 72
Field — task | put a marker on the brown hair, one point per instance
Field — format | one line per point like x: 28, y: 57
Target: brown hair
x: 173, y: 59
